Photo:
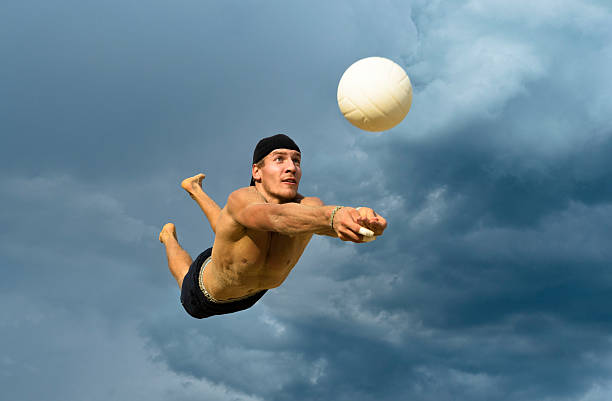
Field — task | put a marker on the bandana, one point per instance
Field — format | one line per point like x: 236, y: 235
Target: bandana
x: 267, y: 145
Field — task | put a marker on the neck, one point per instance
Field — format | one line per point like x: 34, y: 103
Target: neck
x: 262, y: 195
x: 268, y: 197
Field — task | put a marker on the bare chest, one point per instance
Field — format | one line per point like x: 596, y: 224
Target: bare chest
x: 258, y: 259
x: 284, y: 251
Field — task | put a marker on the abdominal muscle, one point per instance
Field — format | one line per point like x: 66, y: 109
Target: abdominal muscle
x: 255, y: 261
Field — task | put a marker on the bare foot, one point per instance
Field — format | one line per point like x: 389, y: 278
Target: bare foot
x: 193, y: 183
x: 178, y: 259
x: 168, y: 230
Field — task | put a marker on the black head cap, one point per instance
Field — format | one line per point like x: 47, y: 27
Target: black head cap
x: 267, y: 145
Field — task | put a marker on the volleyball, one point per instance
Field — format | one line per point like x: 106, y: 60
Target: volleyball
x: 374, y: 94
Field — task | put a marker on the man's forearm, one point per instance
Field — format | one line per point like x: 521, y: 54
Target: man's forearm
x: 292, y: 219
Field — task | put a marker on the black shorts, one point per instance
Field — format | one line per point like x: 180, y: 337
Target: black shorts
x: 195, y: 302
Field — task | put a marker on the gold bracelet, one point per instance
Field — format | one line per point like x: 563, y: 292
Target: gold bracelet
x: 331, y: 220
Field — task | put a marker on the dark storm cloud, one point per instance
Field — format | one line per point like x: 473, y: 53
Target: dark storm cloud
x: 509, y: 219
x: 491, y: 281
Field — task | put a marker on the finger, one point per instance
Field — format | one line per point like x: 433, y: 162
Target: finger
x: 348, y: 238
x: 355, y: 214
x: 363, y: 212
x: 351, y: 226
x: 371, y: 224
x: 343, y: 237
x: 383, y: 222
x: 370, y: 214
x: 375, y: 225
x: 351, y: 236
x: 380, y: 221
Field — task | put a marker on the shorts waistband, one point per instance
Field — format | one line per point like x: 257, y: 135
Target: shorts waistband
x: 207, y: 294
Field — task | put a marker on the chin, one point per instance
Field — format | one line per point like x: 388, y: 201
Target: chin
x: 288, y: 194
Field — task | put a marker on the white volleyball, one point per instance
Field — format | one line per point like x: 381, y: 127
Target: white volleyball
x: 374, y: 94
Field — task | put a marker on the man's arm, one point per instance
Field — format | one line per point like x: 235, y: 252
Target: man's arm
x: 247, y: 208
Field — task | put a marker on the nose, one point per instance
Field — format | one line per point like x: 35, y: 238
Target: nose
x: 290, y: 166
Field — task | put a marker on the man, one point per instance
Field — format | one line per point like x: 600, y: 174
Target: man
x: 260, y: 234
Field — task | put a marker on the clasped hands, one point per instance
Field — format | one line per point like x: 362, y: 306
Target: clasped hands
x: 349, y: 224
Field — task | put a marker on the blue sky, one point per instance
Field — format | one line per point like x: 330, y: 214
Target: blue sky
x: 492, y: 281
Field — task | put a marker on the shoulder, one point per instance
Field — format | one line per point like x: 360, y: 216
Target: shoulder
x: 244, y: 192
x: 310, y: 201
x: 243, y: 197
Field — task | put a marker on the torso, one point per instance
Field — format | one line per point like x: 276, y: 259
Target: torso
x: 246, y: 261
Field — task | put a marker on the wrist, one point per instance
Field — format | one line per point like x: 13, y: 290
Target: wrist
x: 333, y: 215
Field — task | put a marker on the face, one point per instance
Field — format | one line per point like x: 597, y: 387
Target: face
x: 280, y: 175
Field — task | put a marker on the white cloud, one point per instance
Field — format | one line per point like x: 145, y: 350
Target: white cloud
x: 584, y: 16
x: 432, y: 211
x: 278, y: 329
x: 319, y: 368
x: 536, y: 71
x: 465, y: 71
x: 598, y: 392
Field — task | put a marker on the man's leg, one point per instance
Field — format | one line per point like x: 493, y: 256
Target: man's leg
x: 178, y: 259
x: 193, y: 186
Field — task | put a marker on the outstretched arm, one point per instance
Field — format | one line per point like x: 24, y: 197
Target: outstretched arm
x: 249, y: 210
x: 292, y: 218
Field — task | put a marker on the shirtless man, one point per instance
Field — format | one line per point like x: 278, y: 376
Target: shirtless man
x: 260, y: 234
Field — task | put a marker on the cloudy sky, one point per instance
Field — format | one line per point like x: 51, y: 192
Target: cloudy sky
x: 492, y: 282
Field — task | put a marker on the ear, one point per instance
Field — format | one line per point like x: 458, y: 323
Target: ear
x: 256, y: 172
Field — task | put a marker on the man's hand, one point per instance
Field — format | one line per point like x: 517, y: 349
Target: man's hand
x: 372, y: 221
x: 348, y: 221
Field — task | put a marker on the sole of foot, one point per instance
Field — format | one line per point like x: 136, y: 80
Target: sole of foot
x: 191, y: 183
x: 168, y: 229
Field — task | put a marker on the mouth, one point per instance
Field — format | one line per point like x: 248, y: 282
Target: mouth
x: 290, y: 181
